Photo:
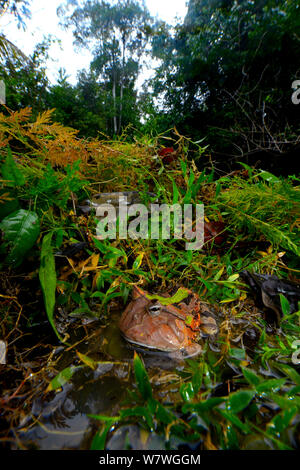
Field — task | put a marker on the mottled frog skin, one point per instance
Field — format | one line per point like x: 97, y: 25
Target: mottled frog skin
x: 169, y: 328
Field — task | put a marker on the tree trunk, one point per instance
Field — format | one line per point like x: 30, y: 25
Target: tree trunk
x: 122, y: 83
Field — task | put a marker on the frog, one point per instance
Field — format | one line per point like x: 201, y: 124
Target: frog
x: 172, y: 328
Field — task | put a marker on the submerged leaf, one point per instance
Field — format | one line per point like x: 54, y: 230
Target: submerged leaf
x: 61, y: 378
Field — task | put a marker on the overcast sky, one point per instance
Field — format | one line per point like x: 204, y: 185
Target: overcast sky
x: 44, y: 21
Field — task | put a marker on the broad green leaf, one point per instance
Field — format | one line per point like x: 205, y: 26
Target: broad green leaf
x: 237, y: 401
x: 10, y: 171
x: 141, y: 377
x: 21, y: 230
x: 47, y: 276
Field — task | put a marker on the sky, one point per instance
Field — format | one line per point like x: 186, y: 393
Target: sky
x: 44, y: 21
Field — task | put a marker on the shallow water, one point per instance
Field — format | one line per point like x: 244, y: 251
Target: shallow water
x: 59, y: 419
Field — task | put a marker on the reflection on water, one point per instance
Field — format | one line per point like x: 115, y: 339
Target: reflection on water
x: 62, y: 422
x: 59, y: 419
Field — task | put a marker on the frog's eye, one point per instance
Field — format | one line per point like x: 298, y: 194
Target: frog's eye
x: 154, y: 310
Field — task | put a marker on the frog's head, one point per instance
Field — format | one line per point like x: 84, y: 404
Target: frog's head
x: 150, y: 323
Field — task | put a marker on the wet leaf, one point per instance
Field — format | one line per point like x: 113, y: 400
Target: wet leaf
x: 99, y: 440
x: 203, y: 406
x: 21, y: 229
x: 270, y: 385
x: 87, y: 360
x: 62, y: 377
x: 281, y: 421
x: 141, y: 377
x: 187, y: 391
x: 138, y: 411
x: 235, y: 420
x: 47, y: 276
x: 237, y: 401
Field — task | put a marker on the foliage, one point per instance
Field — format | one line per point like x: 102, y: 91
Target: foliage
x: 217, y: 400
x: 120, y: 33
x: 270, y: 209
x: 227, y: 71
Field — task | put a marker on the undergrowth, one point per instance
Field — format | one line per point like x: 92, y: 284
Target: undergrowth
x: 47, y: 173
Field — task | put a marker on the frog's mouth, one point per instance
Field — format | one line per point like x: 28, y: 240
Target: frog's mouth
x: 192, y: 350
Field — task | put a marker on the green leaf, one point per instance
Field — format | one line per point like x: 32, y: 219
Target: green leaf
x: 11, y: 172
x: 237, y: 401
x: 270, y: 385
x: 138, y: 261
x: 285, y: 305
x: 289, y: 371
x: 187, y: 391
x: 176, y: 192
x: 250, y: 376
x: 269, y: 177
x: 21, y: 229
x: 203, y: 406
x: 61, y: 378
x: 98, y: 442
x: 281, y: 421
x: 138, y: 411
x: 181, y: 294
x: 235, y: 420
x: 47, y: 276
x: 141, y: 377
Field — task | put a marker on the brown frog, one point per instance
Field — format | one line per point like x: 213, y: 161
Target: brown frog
x: 169, y: 328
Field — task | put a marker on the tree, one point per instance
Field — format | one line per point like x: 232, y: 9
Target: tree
x: 227, y: 74
x: 26, y: 81
x: 19, y: 9
x: 118, y: 34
